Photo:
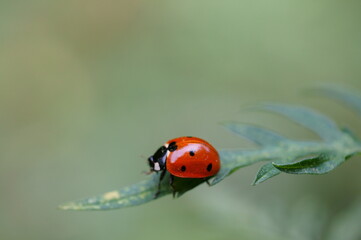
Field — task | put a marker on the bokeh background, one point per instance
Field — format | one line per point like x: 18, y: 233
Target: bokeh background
x: 89, y: 89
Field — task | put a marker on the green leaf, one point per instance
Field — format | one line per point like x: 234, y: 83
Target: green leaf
x: 350, y: 97
x: 314, y: 165
x: 232, y: 160
x: 255, y: 134
x: 282, y: 154
x: 318, y: 123
x: 133, y: 195
x: 129, y: 196
x: 266, y: 171
x: 279, y: 153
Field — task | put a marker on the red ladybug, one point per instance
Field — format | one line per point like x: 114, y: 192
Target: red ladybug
x: 185, y: 157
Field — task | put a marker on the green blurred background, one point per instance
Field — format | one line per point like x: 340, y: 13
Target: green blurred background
x: 89, y: 89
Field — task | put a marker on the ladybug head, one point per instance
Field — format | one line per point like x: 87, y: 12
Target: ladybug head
x: 157, y: 161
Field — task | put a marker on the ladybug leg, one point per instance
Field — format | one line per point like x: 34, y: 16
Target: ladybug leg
x: 208, y: 183
x: 159, y: 184
x: 171, y: 181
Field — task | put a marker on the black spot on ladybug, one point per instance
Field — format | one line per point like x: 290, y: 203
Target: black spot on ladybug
x: 191, y: 153
x: 172, y: 146
x: 189, y: 136
x: 183, y: 168
x: 209, y: 167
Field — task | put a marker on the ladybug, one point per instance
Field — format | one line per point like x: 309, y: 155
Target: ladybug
x: 185, y: 157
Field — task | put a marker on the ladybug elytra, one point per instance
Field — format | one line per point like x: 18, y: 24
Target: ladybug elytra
x: 185, y: 157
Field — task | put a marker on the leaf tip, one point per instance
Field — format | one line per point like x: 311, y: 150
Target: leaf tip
x: 258, y: 180
x: 254, y: 183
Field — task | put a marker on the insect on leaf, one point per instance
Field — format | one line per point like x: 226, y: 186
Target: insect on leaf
x: 280, y: 154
